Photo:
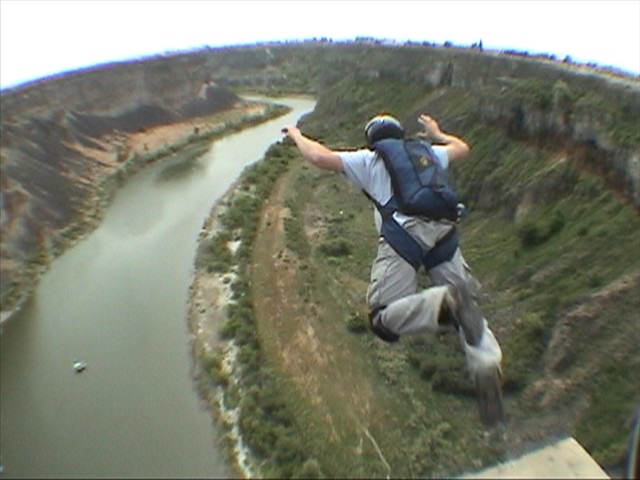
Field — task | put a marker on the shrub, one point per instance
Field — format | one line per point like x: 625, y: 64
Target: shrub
x: 336, y: 247
x: 523, y: 351
x: 530, y: 235
x: 216, y: 253
x: 295, y: 237
x: 356, y: 323
x: 557, y: 223
x: 446, y: 372
x: 310, y: 469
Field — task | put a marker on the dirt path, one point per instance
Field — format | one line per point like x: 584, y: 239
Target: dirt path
x: 331, y: 388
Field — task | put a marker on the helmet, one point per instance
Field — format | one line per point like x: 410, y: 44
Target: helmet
x: 382, y: 126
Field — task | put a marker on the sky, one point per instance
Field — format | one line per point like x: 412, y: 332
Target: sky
x: 43, y: 38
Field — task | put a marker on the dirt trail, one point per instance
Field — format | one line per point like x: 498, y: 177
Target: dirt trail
x: 303, y: 333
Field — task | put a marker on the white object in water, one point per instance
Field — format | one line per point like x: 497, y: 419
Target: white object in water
x: 79, y: 366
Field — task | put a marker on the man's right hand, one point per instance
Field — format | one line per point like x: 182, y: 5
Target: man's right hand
x: 290, y: 131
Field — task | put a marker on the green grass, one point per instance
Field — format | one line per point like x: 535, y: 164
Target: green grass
x: 606, y: 425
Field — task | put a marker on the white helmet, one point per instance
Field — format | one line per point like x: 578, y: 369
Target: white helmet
x: 382, y: 126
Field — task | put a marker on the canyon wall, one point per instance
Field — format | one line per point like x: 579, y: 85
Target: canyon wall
x: 64, y: 136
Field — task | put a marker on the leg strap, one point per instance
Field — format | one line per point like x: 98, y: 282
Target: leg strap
x: 408, y: 248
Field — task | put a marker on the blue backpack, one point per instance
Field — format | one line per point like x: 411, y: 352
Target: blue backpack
x: 419, y: 189
x: 419, y: 182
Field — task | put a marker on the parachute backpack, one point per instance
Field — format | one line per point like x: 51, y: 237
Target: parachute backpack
x: 419, y: 183
x: 420, y: 189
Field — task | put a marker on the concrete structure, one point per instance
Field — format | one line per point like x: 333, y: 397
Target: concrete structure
x: 563, y: 459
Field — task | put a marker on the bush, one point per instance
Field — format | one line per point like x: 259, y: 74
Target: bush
x: 295, y: 236
x: 532, y: 234
x: 446, y: 372
x: 356, y: 323
x: 523, y: 351
x: 217, y: 255
x: 336, y: 247
x: 310, y: 469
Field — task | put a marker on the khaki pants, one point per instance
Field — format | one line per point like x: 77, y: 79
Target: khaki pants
x: 407, y: 311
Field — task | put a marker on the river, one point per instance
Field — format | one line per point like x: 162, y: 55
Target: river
x: 118, y: 301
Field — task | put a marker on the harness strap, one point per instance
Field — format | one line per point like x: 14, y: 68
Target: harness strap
x: 408, y: 247
x: 443, y: 251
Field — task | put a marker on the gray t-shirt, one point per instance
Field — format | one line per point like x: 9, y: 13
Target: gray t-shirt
x: 365, y: 169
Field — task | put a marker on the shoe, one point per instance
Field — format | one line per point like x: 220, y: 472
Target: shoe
x: 481, y: 349
x: 488, y: 384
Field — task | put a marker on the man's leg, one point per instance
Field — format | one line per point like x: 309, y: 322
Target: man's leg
x: 396, y: 308
x: 483, y: 362
x: 417, y: 313
x: 482, y: 351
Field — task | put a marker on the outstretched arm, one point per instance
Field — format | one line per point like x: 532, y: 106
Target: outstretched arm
x: 457, y: 149
x: 314, y: 152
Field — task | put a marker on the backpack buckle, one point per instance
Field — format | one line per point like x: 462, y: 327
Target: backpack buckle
x: 462, y: 211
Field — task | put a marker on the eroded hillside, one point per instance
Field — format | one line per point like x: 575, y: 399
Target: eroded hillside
x: 62, y: 161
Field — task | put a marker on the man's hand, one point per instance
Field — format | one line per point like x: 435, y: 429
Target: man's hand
x: 431, y: 128
x: 313, y: 151
x: 457, y: 148
x: 290, y: 131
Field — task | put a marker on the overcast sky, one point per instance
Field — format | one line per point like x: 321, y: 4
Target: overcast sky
x: 41, y: 38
